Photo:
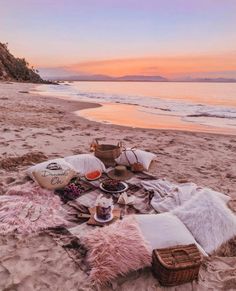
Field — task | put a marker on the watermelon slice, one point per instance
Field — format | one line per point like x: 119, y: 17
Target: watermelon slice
x: 94, y: 175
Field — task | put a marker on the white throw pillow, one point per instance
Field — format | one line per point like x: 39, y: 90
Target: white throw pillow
x: 128, y: 157
x: 85, y: 163
x: 165, y: 230
x: 53, y: 175
x: 208, y: 218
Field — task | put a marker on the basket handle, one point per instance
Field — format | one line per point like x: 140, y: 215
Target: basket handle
x: 120, y: 144
x: 132, y: 150
x: 181, y: 250
x: 93, y: 145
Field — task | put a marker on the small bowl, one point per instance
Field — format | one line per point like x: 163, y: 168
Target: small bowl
x: 98, y: 174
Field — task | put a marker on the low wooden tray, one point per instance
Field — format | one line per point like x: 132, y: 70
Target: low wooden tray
x: 92, y: 221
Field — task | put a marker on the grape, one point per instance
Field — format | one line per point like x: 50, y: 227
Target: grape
x: 70, y: 192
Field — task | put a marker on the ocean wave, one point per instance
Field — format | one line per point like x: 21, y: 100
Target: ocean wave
x: 152, y: 105
x: 212, y: 115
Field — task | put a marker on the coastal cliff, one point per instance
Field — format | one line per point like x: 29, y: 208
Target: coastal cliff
x: 16, y: 69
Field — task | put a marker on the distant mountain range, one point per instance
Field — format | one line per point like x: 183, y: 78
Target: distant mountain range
x: 207, y: 80
x: 127, y: 78
x: 138, y: 78
x: 17, y: 69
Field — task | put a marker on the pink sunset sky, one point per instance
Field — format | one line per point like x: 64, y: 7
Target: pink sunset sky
x: 154, y: 37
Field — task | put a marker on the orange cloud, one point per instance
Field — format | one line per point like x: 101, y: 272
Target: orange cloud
x: 158, y: 65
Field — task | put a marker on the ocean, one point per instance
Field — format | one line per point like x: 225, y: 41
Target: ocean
x: 200, y: 107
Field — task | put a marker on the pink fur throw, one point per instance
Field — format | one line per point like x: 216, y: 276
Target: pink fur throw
x: 28, y: 208
x: 115, y: 250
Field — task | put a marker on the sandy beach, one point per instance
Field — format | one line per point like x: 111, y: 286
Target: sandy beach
x: 46, y: 127
x: 30, y: 122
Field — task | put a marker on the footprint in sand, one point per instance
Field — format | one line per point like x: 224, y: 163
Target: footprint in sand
x: 230, y: 176
x: 10, y: 180
x: 201, y: 171
x: 24, y: 92
x: 77, y: 152
x: 4, y: 143
x: 25, y: 145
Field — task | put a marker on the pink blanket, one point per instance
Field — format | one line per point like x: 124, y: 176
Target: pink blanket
x: 28, y: 208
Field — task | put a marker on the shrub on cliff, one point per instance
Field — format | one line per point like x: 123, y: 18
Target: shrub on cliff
x: 16, y: 69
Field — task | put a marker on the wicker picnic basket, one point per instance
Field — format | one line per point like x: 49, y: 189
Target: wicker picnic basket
x: 107, y: 152
x: 176, y: 265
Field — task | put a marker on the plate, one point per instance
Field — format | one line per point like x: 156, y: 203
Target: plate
x: 102, y: 220
x: 119, y: 191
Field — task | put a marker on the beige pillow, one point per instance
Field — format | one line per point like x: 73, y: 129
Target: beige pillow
x: 131, y: 156
x: 85, y: 163
x: 54, y: 175
x: 165, y: 230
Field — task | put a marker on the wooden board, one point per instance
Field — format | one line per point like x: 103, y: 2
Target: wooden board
x: 116, y: 215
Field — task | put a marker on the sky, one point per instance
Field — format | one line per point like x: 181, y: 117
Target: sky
x: 170, y: 38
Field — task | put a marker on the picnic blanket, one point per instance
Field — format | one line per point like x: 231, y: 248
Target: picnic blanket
x: 141, y: 203
x: 168, y: 195
x: 29, y: 208
x: 53, y: 259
